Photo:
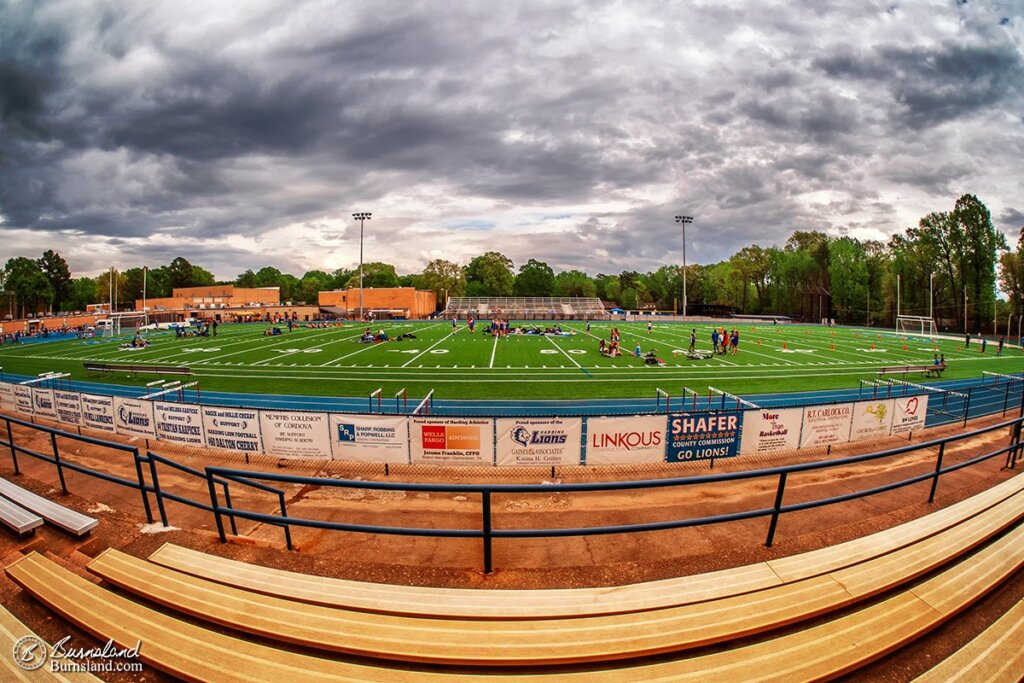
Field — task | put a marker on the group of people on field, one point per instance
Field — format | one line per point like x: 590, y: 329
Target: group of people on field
x: 723, y: 341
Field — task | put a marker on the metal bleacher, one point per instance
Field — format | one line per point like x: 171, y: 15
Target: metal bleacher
x: 526, y: 308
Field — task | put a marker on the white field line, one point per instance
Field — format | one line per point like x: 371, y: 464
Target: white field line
x: 418, y: 355
x: 744, y: 349
x: 571, y: 359
x: 341, y: 358
x: 493, y: 350
x: 518, y: 378
x: 283, y: 341
x: 251, y: 344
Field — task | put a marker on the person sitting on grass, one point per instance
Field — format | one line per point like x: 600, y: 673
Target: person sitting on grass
x: 382, y: 336
x: 651, y: 358
x: 601, y: 347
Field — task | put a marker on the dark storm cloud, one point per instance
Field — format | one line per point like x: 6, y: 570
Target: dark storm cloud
x: 225, y: 128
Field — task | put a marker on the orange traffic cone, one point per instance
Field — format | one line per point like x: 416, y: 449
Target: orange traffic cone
x: 784, y: 345
x: 872, y: 347
x: 833, y: 347
x: 904, y: 347
x: 758, y: 342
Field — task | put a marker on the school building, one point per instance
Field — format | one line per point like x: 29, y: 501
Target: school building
x: 213, y: 297
x: 384, y: 302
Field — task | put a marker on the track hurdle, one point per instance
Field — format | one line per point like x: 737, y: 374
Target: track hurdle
x: 404, y: 396
x: 1007, y: 382
x: 373, y: 395
x: 668, y: 399
x: 424, y: 407
x: 873, y: 383
x: 732, y: 397
x: 996, y: 376
x: 688, y: 393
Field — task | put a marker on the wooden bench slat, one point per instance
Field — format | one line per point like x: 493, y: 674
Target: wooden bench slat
x: 834, y: 557
x: 527, y: 643
x: 996, y: 655
x: 461, y: 641
x: 510, y: 604
x: 17, y: 518
x: 70, y: 520
x: 821, y: 652
x: 135, y: 367
x: 11, y: 630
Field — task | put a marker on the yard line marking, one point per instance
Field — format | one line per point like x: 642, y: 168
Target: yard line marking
x: 427, y: 350
x: 495, y: 348
x: 571, y: 359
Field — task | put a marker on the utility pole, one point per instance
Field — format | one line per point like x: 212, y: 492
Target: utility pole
x: 683, y: 221
x: 361, y: 216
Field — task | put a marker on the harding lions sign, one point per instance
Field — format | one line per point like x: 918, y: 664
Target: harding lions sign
x: 539, y: 441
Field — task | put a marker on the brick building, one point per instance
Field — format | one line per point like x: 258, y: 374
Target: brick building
x: 385, y: 302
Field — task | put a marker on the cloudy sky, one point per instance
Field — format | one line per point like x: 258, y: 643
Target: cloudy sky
x: 243, y: 134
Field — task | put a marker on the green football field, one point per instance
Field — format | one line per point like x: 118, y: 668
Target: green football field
x: 331, y: 362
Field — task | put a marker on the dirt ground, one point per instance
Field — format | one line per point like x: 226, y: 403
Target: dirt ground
x: 518, y: 563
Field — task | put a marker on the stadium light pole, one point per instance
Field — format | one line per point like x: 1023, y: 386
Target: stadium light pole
x: 361, y: 216
x: 683, y: 221
x: 145, y: 310
x: 931, y: 295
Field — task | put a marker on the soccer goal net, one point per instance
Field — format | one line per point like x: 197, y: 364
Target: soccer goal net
x: 125, y: 323
x: 916, y: 324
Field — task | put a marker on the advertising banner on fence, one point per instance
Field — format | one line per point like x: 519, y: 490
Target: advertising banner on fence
x: 179, y: 423
x: 135, y: 417
x: 871, y: 420
x: 98, y: 412
x: 23, y: 399
x: 624, y: 440
x: 42, y: 403
x: 370, y: 438
x: 909, y: 413
x: 233, y: 429
x: 69, y: 407
x: 771, y: 430
x: 453, y: 441
x: 825, y: 425
x: 703, y: 437
x: 539, y: 441
x: 7, y: 397
x: 295, y: 435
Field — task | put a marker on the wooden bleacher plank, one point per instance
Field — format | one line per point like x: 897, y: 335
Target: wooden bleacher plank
x: 457, y: 602
x: 835, y: 557
x: 71, y: 521
x: 472, y: 642
x: 996, y: 655
x: 825, y: 651
x: 508, y: 642
x: 11, y: 630
x: 17, y: 518
x: 869, y: 578
x: 509, y: 604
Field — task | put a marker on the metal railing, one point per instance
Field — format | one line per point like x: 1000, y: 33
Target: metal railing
x: 222, y: 505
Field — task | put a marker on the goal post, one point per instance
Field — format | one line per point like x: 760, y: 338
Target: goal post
x: 128, y: 322
x: 916, y: 324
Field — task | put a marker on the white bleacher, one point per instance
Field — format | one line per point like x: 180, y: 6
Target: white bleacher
x: 526, y: 308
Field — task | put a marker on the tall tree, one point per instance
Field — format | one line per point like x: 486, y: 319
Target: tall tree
x: 490, y: 274
x: 535, y: 278
x: 444, y: 278
x: 83, y: 293
x: 246, y: 279
x: 375, y: 274
x: 29, y: 286
x: 56, y: 270
x: 849, y: 277
x: 180, y: 271
x: 574, y: 283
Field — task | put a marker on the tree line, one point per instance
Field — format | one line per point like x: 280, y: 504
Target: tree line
x: 949, y: 262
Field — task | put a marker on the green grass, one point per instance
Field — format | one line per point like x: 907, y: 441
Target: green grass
x: 463, y: 365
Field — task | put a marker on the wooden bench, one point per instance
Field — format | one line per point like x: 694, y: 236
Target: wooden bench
x: 11, y: 631
x: 928, y: 370
x: 17, y: 518
x: 71, y: 521
x: 829, y: 649
x: 995, y: 656
x: 511, y: 604
x: 503, y: 642
x: 133, y: 368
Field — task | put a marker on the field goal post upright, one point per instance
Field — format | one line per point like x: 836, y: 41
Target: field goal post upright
x: 919, y: 325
